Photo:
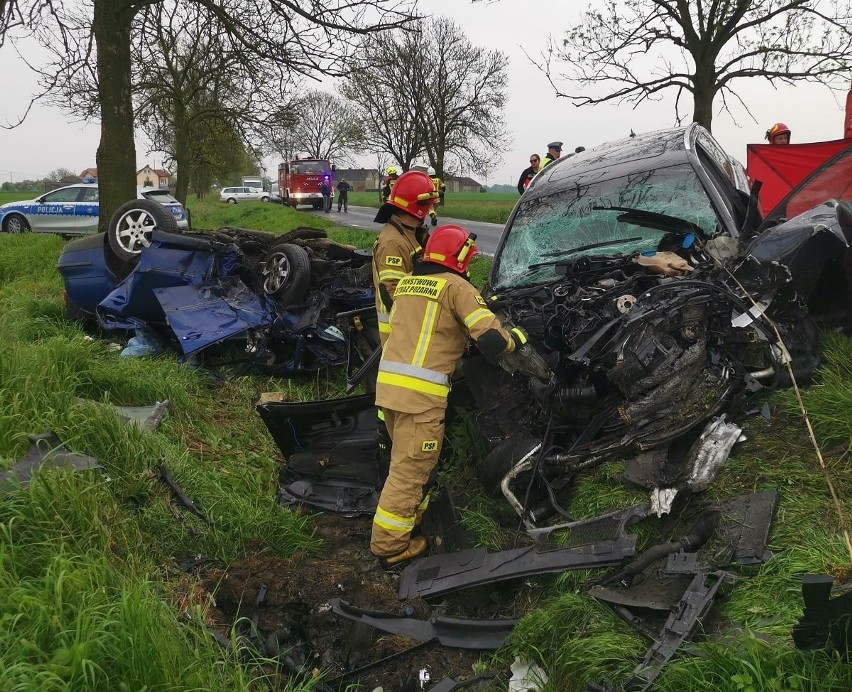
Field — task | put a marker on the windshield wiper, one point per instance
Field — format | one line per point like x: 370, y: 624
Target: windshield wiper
x: 562, y: 254
x: 652, y: 219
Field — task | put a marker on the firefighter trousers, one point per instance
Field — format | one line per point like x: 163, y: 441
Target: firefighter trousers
x: 416, y: 440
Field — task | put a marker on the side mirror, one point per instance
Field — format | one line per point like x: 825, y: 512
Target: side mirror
x: 333, y: 167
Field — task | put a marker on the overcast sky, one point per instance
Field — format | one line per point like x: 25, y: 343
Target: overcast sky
x: 534, y: 115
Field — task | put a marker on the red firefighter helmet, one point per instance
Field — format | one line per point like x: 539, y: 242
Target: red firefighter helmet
x: 413, y: 192
x: 776, y: 130
x: 451, y: 246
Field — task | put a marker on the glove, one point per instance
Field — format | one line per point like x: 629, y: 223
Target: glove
x: 525, y: 359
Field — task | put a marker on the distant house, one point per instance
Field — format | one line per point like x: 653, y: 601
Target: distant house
x: 459, y: 184
x: 361, y: 179
x: 153, y: 177
x: 90, y: 175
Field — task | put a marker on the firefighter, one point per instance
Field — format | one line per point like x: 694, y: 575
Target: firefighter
x: 401, y: 239
x: 388, y: 183
x: 779, y: 133
x: 435, y: 310
x: 439, y: 192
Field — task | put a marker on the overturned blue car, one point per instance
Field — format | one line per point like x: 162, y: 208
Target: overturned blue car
x: 281, y: 303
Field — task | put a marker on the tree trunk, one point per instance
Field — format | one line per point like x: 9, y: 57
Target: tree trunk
x: 705, y: 91
x: 181, y: 153
x: 116, y: 157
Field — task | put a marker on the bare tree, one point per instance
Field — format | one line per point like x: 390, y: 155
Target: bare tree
x: 189, y: 75
x: 464, y: 97
x: 386, y: 90
x: 305, y: 38
x: 432, y: 93
x: 59, y: 174
x: 634, y: 49
x: 321, y: 125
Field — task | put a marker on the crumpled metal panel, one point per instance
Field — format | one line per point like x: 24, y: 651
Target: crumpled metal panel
x: 46, y: 451
x: 159, y: 267
x: 201, y: 315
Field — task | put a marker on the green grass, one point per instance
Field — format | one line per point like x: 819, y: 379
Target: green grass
x: 492, y: 207
x: 89, y: 595
x: 89, y: 599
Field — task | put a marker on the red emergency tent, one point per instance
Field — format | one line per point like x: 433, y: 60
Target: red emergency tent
x: 781, y: 167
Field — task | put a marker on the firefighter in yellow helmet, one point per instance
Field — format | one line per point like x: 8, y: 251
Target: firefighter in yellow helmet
x: 439, y: 191
x: 388, y: 183
x: 401, y: 239
x: 435, y: 310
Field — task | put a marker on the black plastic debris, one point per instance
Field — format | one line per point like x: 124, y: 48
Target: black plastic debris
x: 746, y: 521
x: 683, y: 621
x: 454, y: 632
x: 46, y: 451
x: 826, y: 622
x: 440, y: 574
x: 331, y: 449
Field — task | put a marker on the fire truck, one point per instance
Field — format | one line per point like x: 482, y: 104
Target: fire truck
x: 299, y: 181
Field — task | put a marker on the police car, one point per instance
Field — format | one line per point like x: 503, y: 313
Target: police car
x: 73, y: 210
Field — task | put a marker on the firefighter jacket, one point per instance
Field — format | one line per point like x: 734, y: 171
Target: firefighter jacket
x: 393, y: 257
x: 433, y: 314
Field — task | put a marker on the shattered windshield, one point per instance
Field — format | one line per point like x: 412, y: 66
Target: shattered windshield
x: 567, y: 222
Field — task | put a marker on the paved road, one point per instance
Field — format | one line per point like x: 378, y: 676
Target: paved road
x: 487, y: 234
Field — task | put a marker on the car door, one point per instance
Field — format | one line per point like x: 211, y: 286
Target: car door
x: 55, y: 211
x: 87, y: 210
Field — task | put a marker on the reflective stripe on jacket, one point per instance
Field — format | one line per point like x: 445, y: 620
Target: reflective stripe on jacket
x: 432, y: 317
x: 393, y: 258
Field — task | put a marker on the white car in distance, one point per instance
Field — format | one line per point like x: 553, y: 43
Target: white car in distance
x: 232, y: 195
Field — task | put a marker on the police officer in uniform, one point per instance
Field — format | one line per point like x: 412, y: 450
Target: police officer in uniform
x: 435, y: 310
x: 554, y: 151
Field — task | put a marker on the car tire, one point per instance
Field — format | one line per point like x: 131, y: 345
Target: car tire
x: 15, y: 223
x: 231, y: 200
x: 500, y: 460
x: 131, y: 226
x: 287, y: 273
x: 317, y: 205
x: 264, y: 199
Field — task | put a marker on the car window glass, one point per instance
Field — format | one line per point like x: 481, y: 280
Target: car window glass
x: 161, y: 196
x: 547, y: 228
x: 68, y: 194
x: 722, y: 179
x: 712, y: 149
x: 89, y: 194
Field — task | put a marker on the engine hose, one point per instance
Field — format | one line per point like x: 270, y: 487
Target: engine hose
x: 701, y: 531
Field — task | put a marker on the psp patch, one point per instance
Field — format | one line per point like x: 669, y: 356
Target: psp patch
x: 392, y: 261
x: 429, y: 446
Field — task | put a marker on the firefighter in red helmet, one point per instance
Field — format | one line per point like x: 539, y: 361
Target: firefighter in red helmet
x: 779, y: 133
x: 435, y: 310
x: 401, y: 239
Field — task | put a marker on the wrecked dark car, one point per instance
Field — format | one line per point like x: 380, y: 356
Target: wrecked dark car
x: 654, y: 295
x: 280, y: 303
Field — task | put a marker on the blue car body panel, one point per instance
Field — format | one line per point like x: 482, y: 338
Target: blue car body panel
x: 185, y: 288
x: 204, y: 314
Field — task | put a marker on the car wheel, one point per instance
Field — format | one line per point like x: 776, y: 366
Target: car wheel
x: 264, y: 199
x: 287, y: 273
x: 500, y: 460
x: 15, y: 223
x: 131, y: 226
x: 317, y: 205
x: 231, y: 200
